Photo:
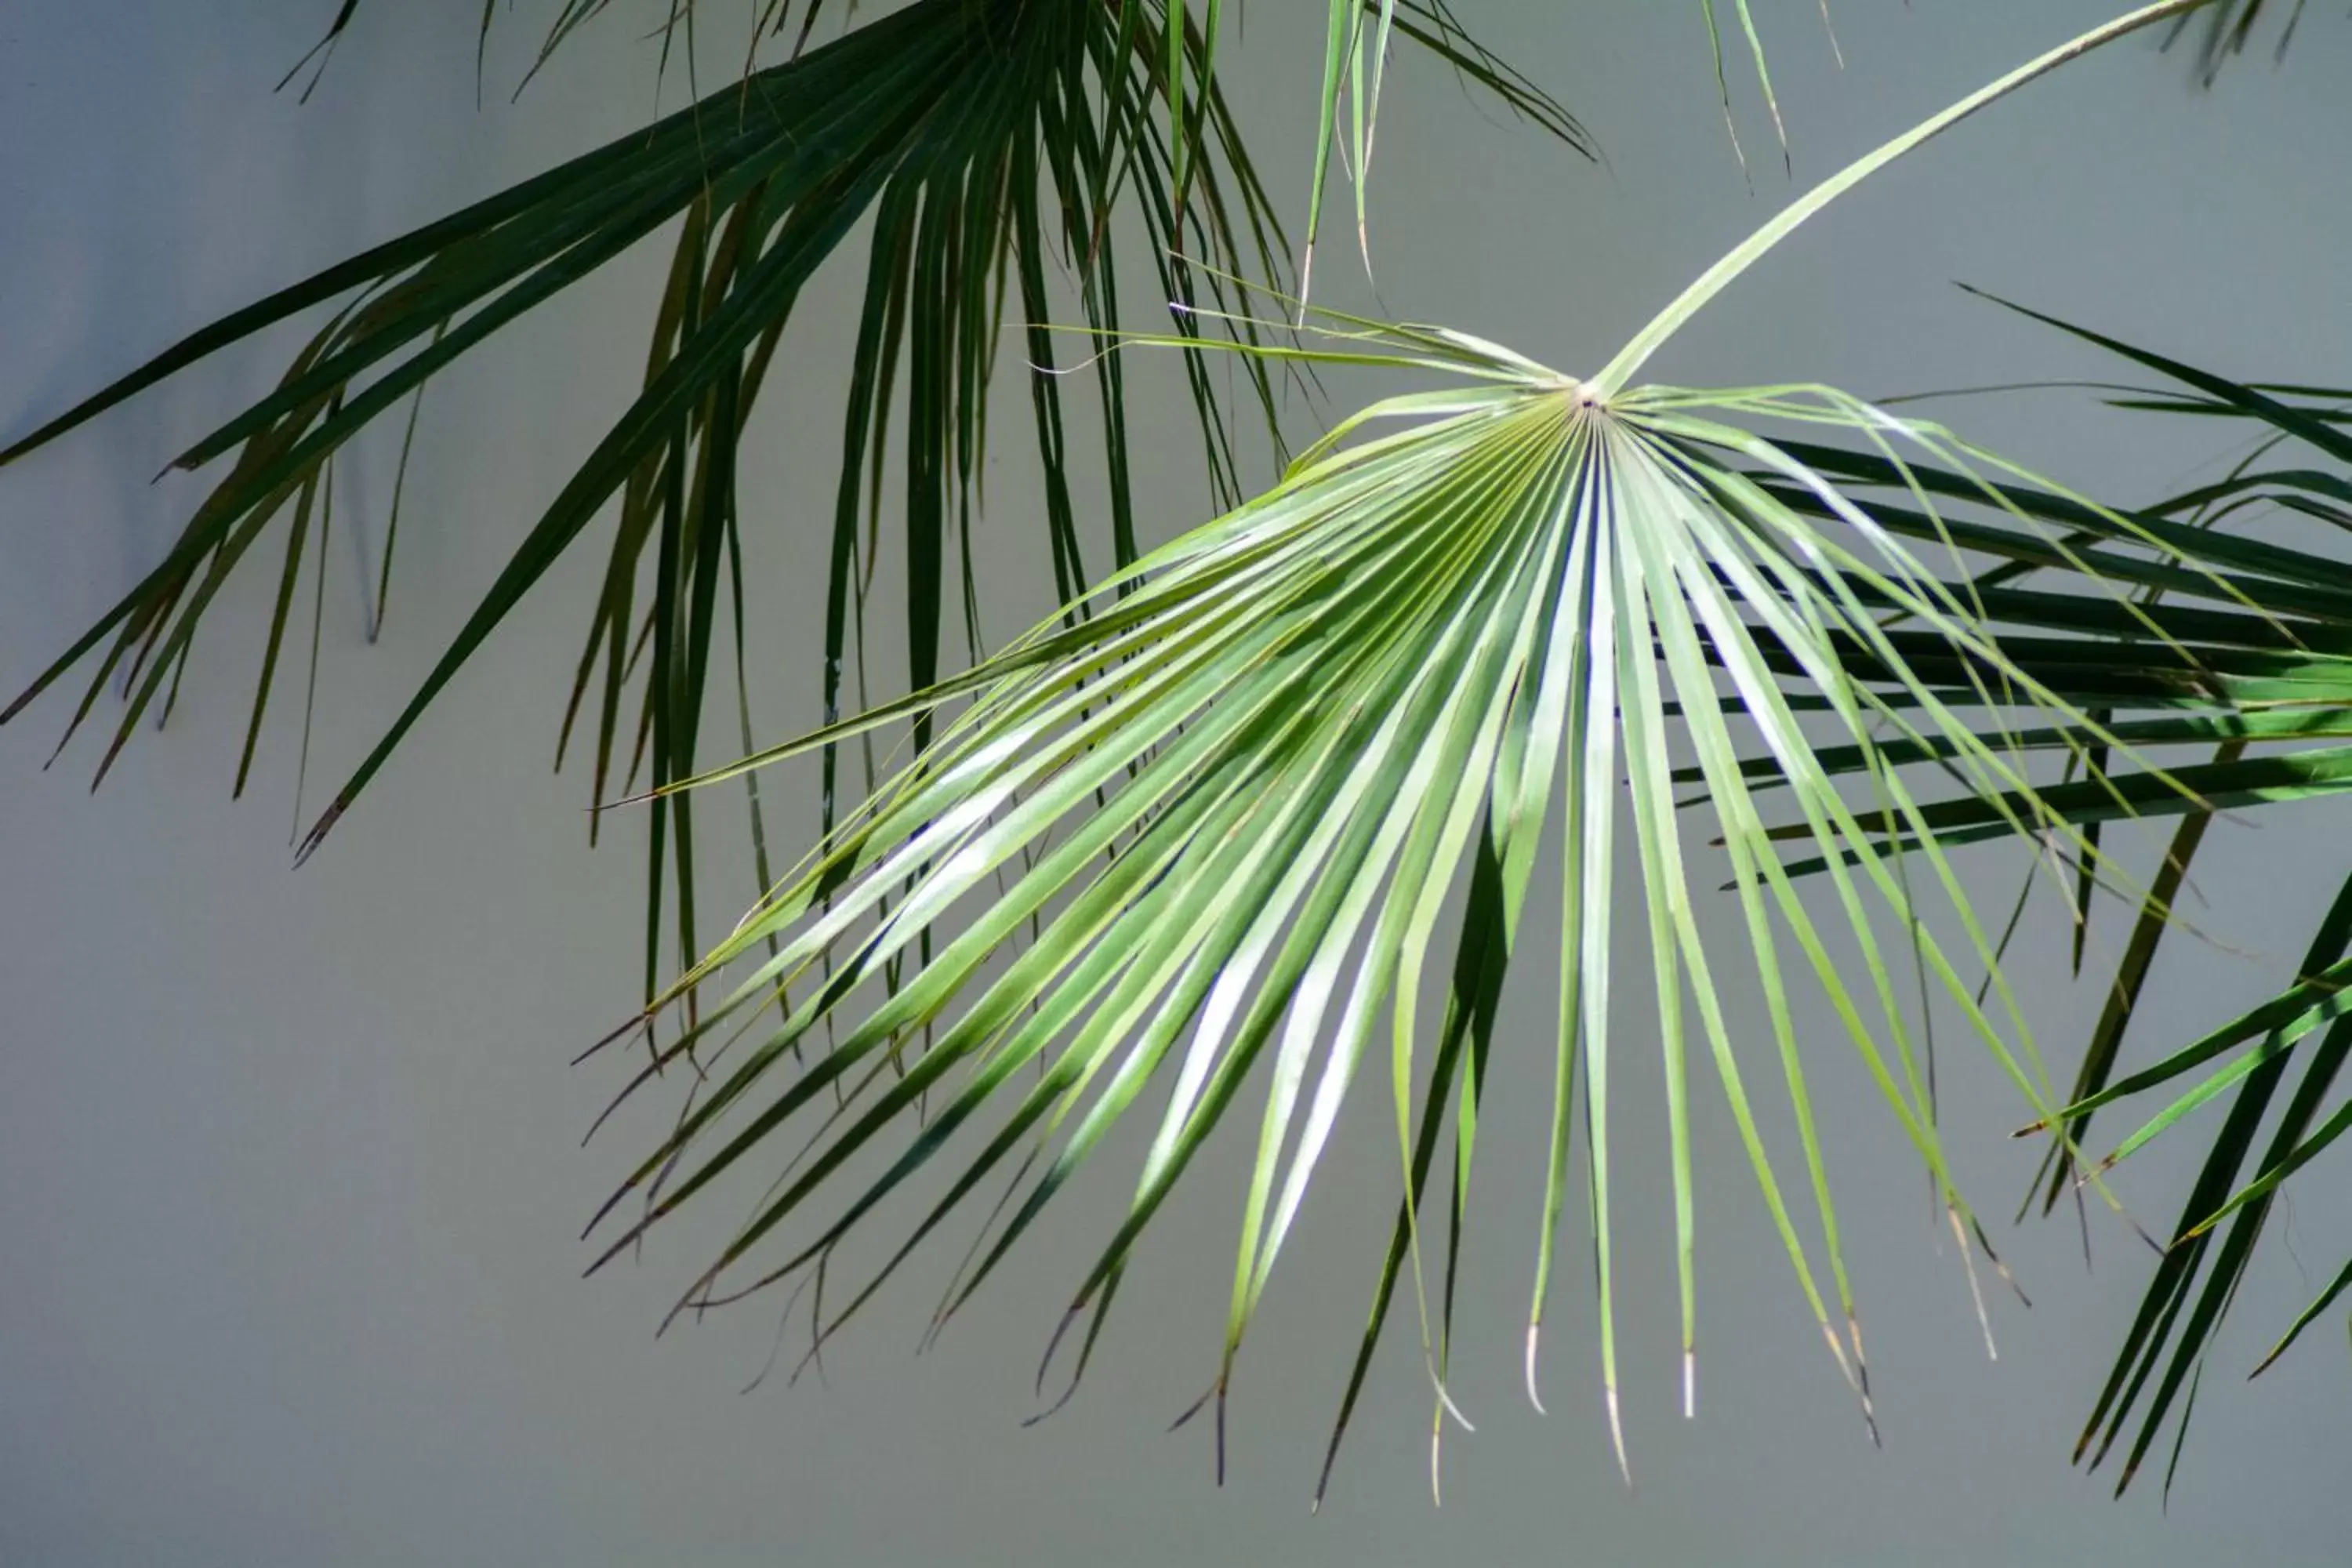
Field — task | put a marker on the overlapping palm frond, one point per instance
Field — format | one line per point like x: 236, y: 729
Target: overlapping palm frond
x: 2267, y: 698
x: 1202, y: 834
x: 989, y: 146
x: 1231, y: 802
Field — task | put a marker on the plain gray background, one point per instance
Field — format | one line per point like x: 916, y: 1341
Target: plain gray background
x: 289, y: 1163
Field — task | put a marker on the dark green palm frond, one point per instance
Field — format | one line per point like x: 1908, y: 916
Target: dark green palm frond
x: 2299, y: 472
x: 315, y: 60
x: 2247, y: 658
x: 674, y: 28
x: 1203, y: 834
x: 320, y: 53
x: 988, y: 146
x: 2224, y: 30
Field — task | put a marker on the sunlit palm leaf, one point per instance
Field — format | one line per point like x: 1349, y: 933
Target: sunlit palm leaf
x: 1303, y: 721
x: 1212, y: 824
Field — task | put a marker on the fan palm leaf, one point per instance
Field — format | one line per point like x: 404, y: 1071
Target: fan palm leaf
x: 1203, y: 829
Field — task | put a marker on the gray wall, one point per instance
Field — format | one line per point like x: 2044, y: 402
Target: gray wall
x: 289, y: 1164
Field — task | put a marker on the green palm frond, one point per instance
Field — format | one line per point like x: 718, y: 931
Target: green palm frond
x: 987, y: 145
x: 1201, y: 831
x: 2271, y: 696
x: 1306, y: 723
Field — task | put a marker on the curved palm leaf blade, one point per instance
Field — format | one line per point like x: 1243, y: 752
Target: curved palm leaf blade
x: 980, y: 142
x: 2266, y: 682
x: 1216, y: 820
x: 1230, y: 804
